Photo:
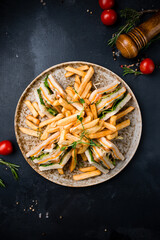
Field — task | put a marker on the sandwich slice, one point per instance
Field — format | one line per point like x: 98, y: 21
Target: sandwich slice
x: 55, y: 86
x: 45, y: 108
x: 102, y: 157
x: 115, y: 108
x: 109, y: 88
x: 58, y: 160
x: 109, y: 145
x: 44, y: 148
x: 91, y: 160
x: 108, y: 99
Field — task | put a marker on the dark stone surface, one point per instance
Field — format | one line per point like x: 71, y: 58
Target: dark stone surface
x: 34, y: 37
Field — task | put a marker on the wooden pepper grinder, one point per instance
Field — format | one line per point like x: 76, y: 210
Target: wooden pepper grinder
x: 129, y: 44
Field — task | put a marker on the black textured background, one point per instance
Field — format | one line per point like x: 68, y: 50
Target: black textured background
x: 34, y: 37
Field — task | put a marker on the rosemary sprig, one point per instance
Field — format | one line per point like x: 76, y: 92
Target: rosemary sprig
x: 132, y: 17
x: 2, y: 183
x: 127, y: 70
x: 12, y: 166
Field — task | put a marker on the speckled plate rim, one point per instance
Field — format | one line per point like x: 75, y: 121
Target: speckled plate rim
x: 109, y: 71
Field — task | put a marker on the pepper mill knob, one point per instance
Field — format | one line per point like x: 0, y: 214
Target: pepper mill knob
x: 129, y: 44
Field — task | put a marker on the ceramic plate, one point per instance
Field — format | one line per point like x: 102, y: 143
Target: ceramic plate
x: 131, y: 135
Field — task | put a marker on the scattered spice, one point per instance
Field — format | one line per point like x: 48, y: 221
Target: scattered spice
x: 47, y: 215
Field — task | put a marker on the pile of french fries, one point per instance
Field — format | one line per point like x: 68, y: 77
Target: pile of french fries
x: 77, y: 126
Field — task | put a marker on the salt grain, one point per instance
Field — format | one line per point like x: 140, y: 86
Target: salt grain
x: 40, y: 215
x: 47, y: 215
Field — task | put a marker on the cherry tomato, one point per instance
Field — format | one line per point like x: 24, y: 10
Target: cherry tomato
x: 6, y: 147
x: 106, y: 4
x: 108, y: 17
x: 147, y: 66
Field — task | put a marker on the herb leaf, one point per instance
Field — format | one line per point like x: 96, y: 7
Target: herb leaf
x: 40, y: 96
x: 13, y: 167
x: 2, y: 183
x: 63, y: 148
x: 52, y: 111
x: 81, y: 100
x: 127, y: 70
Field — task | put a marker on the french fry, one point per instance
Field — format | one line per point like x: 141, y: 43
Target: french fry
x: 123, y: 124
x: 87, y: 101
x: 94, y: 129
x: 86, y: 175
x: 45, y: 134
x: 60, y: 170
x: 90, y: 114
x: 74, y: 160
x: 86, y: 79
x: 108, y: 132
x: 66, y: 142
x: 68, y: 113
x: 94, y: 110
x: 76, y: 86
x: 51, y: 120
x: 31, y: 108
x: 113, y: 120
x: 77, y: 80
x: 33, y: 119
x: 85, y: 126
x: 31, y: 125
x: 71, y: 137
x: 35, y: 105
x: 82, y: 68
x: 87, y: 169
x: 110, y: 126
x: 66, y: 105
x: 83, y: 148
x: 56, y: 103
x: 83, y: 156
x: 68, y: 126
x: 100, y: 134
x: 62, y: 135
x: 52, y: 129
x: 84, y: 121
x: 112, y: 136
x: 86, y: 90
x: 76, y: 71
x: 64, y: 110
x: 69, y: 119
x: 70, y: 93
x: 123, y: 113
x: 29, y: 132
x: 88, y: 95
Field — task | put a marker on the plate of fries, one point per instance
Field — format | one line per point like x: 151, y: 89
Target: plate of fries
x: 78, y: 124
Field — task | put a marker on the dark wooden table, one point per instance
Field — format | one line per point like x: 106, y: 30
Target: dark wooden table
x: 35, y: 35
